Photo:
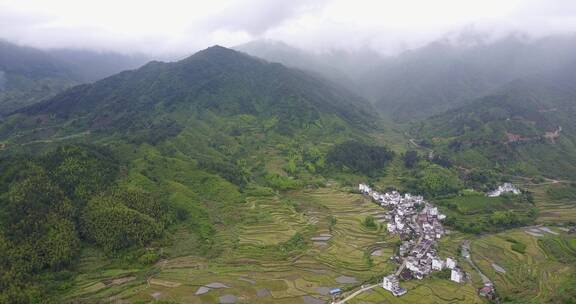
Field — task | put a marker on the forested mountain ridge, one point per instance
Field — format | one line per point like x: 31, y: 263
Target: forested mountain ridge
x: 217, y: 80
x: 527, y: 127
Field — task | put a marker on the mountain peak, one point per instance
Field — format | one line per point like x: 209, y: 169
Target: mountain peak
x: 216, y: 50
x: 221, y: 56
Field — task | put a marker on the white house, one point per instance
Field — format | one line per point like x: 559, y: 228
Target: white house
x: 504, y: 188
x: 437, y: 264
x: 364, y: 188
x: 457, y: 275
x: 391, y: 284
x: 450, y: 263
x: 412, y: 264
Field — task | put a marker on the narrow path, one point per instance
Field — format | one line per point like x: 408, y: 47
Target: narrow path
x: 466, y: 245
x: 352, y: 296
x: 548, y: 181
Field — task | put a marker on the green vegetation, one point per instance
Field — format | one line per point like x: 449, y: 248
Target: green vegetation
x: 474, y: 212
x: 559, y: 249
x: 534, y: 276
x: 369, y: 222
x: 517, y: 246
x: 205, y: 170
x: 122, y: 219
x: 567, y: 192
x: 433, y: 180
x: 40, y: 202
x: 410, y: 158
x: 511, y: 132
x: 360, y: 158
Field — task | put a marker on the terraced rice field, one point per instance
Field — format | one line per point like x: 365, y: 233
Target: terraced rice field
x: 551, y: 210
x: 279, y: 223
x: 351, y: 243
x: 531, y: 276
x: 252, y: 271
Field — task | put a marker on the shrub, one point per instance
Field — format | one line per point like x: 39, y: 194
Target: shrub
x: 369, y: 222
x: 519, y: 247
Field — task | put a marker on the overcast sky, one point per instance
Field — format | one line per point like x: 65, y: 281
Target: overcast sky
x: 180, y: 26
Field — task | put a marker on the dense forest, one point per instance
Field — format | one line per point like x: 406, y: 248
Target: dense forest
x: 52, y: 205
x: 360, y: 158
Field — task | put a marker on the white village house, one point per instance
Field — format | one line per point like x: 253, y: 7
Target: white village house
x: 450, y: 263
x: 457, y: 275
x: 392, y: 284
x: 504, y: 188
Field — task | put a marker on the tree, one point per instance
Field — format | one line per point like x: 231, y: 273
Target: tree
x: 110, y: 223
x: 410, y: 158
x: 434, y: 180
x: 360, y: 158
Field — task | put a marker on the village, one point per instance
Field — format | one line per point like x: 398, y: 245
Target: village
x: 418, y: 225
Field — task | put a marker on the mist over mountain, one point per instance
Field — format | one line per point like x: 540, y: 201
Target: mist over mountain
x: 425, y: 81
x: 341, y: 66
x: 28, y: 75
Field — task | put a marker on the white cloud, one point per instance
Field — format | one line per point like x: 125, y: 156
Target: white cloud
x: 185, y: 26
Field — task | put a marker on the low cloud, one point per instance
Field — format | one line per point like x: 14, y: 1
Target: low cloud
x: 180, y: 27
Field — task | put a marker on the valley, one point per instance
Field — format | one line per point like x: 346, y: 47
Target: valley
x: 225, y: 178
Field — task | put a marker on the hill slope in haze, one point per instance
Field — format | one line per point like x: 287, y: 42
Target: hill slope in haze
x: 451, y: 72
x: 527, y: 127
x: 28, y: 75
x: 341, y: 66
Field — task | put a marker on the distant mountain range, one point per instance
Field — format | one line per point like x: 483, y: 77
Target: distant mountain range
x: 28, y: 75
x: 442, y: 75
x: 161, y: 100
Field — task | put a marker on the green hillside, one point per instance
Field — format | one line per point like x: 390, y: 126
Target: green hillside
x: 526, y: 129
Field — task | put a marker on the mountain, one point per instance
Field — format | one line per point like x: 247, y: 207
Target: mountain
x: 458, y: 69
x: 28, y: 75
x: 217, y: 107
x: 217, y: 80
x: 526, y: 127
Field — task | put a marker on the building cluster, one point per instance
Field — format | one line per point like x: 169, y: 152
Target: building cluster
x: 418, y: 224
x: 502, y: 189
